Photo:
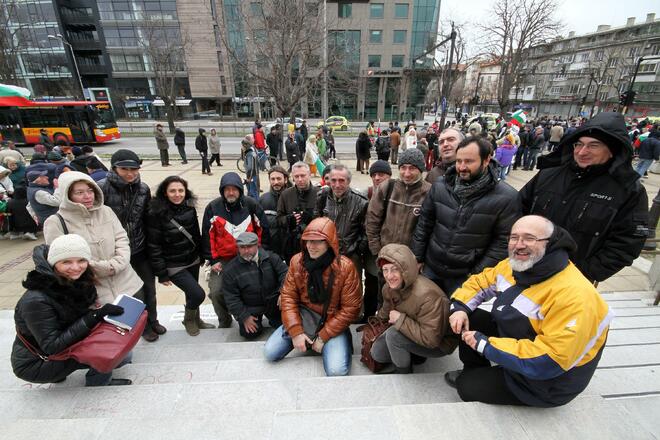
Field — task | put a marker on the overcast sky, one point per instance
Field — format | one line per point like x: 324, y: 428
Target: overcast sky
x: 581, y: 16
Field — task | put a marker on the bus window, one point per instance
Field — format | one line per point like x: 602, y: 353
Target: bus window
x: 52, y: 117
x: 104, y: 116
x: 31, y: 118
x: 10, y: 127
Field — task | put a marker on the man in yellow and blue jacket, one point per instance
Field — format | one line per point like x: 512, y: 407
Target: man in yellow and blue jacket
x: 546, y: 330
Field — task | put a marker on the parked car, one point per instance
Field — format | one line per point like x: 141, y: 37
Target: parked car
x: 279, y: 121
x: 335, y: 123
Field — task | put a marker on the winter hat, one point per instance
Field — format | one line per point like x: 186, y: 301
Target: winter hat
x: 77, y: 151
x: 380, y: 166
x: 125, y: 159
x: 414, y: 157
x: 34, y: 175
x: 68, y: 246
x: 54, y: 156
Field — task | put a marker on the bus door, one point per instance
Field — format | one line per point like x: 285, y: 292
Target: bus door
x: 10, y: 127
x: 78, y: 122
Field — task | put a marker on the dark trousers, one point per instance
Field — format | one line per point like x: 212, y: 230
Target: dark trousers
x: 206, y: 168
x: 215, y: 157
x: 480, y: 382
x: 273, y: 314
x: 182, y: 152
x: 448, y: 285
x: 188, y: 281
x: 530, y: 158
x: 142, y: 266
x: 371, y: 293
x: 164, y: 157
x: 518, y: 161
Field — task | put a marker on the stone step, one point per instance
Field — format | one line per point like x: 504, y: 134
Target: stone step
x: 630, y: 355
x: 633, y: 336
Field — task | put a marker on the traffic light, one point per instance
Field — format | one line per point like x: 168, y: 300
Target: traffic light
x: 631, y: 98
x: 623, y: 98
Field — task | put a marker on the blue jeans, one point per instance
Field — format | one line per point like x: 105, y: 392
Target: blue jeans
x: 253, y: 189
x: 643, y: 166
x: 503, y: 172
x: 94, y: 378
x: 336, y: 352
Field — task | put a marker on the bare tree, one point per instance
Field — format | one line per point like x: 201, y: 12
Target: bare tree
x: 164, y: 49
x: 9, y: 46
x: 514, y: 27
x: 282, y: 50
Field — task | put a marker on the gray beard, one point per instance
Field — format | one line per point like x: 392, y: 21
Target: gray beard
x: 522, y: 266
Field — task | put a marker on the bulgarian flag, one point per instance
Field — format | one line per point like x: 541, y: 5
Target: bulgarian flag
x: 320, y: 166
x: 13, y: 95
x: 519, y: 118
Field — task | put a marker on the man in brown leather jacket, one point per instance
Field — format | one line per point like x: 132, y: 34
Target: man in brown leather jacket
x: 320, y: 298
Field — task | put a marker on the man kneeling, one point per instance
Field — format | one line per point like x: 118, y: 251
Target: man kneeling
x: 546, y: 330
x: 320, y: 298
x: 418, y: 310
x: 252, y: 282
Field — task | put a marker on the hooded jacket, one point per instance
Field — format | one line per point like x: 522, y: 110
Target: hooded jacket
x: 223, y: 222
x: 179, y: 137
x: 552, y: 324
x: 129, y: 202
x: 424, y: 307
x: 51, y: 320
x: 604, y: 207
x: 345, y: 298
x: 201, y: 143
x: 107, y: 239
x: 403, y: 210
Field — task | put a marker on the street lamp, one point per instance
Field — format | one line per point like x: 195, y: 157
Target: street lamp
x: 73, y: 56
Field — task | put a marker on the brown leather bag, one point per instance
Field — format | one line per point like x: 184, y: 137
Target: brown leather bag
x: 370, y: 332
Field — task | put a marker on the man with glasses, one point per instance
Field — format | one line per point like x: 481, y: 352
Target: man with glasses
x: 545, y: 332
x: 588, y: 186
x: 465, y: 218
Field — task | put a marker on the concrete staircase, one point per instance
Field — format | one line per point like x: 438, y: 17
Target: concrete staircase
x: 215, y: 386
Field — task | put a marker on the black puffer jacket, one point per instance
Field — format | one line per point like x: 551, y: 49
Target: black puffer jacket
x: 293, y: 200
x: 130, y: 202
x: 248, y: 286
x: 348, y: 213
x: 268, y: 202
x: 169, y: 247
x: 455, y: 239
x: 51, y: 317
x: 604, y: 207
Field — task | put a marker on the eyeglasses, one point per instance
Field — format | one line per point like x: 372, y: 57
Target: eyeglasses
x: 83, y: 192
x: 525, y: 239
x: 591, y: 146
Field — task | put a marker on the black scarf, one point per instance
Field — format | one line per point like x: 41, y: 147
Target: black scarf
x: 317, y: 292
x: 464, y: 190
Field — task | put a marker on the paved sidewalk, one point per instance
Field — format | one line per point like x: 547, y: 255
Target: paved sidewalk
x: 15, y: 256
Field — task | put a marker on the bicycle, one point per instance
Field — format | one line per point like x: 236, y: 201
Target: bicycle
x: 266, y: 162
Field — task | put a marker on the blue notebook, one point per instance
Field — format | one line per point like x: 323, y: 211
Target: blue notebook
x: 133, y: 308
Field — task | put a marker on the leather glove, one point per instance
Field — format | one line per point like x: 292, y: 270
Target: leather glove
x: 96, y: 316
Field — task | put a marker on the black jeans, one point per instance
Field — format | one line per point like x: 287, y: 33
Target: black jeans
x: 480, y: 382
x: 182, y: 152
x: 142, y: 266
x: 273, y: 314
x: 164, y: 157
x: 188, y: 281
x: 215, y: 157
x: 206, y: 168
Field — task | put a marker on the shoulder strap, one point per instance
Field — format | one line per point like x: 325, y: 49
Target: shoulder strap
x: 63, y: 223
x: 30, y: 347
x: 183, y: 231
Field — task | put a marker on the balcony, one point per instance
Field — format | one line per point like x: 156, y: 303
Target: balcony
x: 81, y: 18
x: 92, y: 69
x: 85, y: 44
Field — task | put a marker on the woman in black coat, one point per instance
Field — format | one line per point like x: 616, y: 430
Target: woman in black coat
x: 58, y: 310
x: 174, y: 242
x: 363, y: 152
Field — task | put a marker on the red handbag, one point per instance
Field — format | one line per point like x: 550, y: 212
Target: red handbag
x: 371, y: 331
x: 103, y: 349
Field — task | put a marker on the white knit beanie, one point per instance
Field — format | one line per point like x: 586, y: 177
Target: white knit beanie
x: 68, y: 246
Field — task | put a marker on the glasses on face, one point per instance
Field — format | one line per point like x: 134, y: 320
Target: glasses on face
x: 86, y: 192
x: 591, y: 146
x: 527, y: 240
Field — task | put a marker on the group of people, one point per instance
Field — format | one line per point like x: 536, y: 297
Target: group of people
x: 420, y: 252
x: 203, y: 144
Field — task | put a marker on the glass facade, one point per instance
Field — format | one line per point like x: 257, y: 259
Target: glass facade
x: 374, y: 61
x: 425, y: 27
x: 137, y: 10
x: 345, y: 9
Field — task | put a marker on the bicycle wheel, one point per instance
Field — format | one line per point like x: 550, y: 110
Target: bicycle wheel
x: 240, y: 164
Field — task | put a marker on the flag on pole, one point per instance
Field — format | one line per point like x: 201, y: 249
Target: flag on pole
x: 320, y: 166
x: 519, y: 118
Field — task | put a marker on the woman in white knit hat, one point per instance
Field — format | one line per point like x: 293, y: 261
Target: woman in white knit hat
x: 82, y: 212
x: 58, y: 309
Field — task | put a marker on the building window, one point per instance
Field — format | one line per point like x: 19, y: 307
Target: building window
x: 401, y: 10
x: 556, y: 90
x: 344, y: 10
x: 376, y: 10
x: 376, y: 36
x: 632, y: 53
x: 599, y: 55
x: 399, y: 37
x: 397, y: 60
x: 612, y: 62
x: 374, y: 61
x: 647, y: 68
x: 584, y: 57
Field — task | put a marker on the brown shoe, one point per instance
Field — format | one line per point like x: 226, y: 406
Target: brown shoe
x: 158, y: 328
x: 149, y: 335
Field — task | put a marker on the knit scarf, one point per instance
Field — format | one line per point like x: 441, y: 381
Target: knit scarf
x: 317, y: 292
x: 464, y: 190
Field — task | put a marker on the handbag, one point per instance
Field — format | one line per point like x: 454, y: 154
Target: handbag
x: 103, y: 349
x: 370, y: 332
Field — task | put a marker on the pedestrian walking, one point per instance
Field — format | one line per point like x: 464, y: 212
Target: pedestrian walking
x: 180, y: 142
x: 201, y: 144
x: 163, y: 145
x: 214, y: 146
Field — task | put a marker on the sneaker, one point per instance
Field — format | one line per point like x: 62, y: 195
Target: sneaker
x: 14, y: 236
x: 452, y: 376
x: 29, y: 236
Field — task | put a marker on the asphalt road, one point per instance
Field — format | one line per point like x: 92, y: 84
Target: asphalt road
x: 146, y: 146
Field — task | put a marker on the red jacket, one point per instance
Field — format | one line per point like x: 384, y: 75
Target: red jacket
x: 223, y: 235
x: 259, y: 140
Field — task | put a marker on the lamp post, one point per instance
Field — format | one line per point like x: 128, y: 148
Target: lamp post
x: 75, y: 63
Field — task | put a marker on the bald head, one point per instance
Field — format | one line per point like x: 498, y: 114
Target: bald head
x: 528, y: 241
x: 534, y: 225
